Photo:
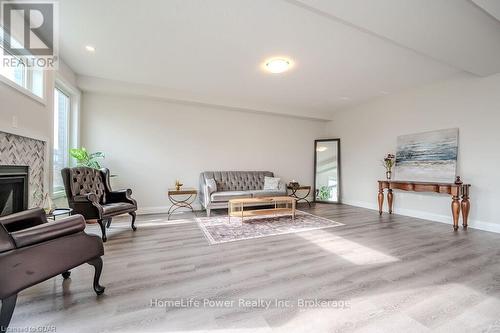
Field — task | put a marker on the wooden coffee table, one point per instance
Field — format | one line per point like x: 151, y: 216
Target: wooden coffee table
x: 282, y: 206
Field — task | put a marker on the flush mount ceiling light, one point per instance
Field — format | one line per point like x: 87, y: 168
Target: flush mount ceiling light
x: 278, y: 65
x: 90, y: 48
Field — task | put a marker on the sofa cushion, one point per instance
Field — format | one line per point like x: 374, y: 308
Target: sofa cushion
x: 271, y: 183
x: 211, y: 186
x: 266, y: 193
x: 117, y: 208
x: 228, y: 195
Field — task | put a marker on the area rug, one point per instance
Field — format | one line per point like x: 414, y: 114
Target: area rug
x: 218, y: 229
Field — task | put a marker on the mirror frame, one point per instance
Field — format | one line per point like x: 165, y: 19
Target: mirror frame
x: 338, y: 170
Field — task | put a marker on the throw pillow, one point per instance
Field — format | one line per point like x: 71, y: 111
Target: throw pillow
x: 211, y: 185
x: 271, y: 183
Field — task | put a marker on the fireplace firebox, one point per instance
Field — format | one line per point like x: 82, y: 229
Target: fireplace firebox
x: 13, y: 189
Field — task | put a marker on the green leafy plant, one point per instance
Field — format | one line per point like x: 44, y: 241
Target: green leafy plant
x: 84, y: 158
x: 324, y: 193
x: 388, y: 162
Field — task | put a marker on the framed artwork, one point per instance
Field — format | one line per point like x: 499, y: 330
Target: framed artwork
x: 428, y: 156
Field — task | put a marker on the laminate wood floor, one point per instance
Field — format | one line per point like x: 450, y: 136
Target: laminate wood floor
x: 380, y: 274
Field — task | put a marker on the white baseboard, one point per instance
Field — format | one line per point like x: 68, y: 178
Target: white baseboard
x: 475, y: 224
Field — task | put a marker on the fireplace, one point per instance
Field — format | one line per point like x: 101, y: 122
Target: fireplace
x: 13, y: 189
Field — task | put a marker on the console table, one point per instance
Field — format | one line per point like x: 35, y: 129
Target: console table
x: 456, y: 190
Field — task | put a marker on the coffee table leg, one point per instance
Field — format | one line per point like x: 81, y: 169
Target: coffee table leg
x: 242, y: 212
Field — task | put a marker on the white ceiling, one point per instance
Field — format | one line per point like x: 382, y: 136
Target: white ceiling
x: 346, y: 51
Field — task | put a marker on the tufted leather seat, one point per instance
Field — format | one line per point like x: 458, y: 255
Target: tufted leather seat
x: 117, y: 208
x: 89, y: 193
x: 233, y: 185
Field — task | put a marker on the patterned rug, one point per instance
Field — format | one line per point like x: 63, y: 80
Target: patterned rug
x: 218, y: 229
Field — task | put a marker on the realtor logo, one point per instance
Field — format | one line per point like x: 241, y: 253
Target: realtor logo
x: 30, y: 33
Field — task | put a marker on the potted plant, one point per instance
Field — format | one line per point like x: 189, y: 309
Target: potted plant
x: 83, y: 158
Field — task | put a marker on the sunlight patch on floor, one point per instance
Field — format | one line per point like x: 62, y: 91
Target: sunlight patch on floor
x: 351, y: 251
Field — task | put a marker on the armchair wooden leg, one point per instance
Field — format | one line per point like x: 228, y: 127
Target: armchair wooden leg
x: 108, y: 223
x: 97, y: 263
x: 133, y: 214
x: 66, y: 275
x: 8, y: 305
x: 103, y: 229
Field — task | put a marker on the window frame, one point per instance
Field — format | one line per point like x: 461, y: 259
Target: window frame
x: 27, y: 87
x: 73, y: 127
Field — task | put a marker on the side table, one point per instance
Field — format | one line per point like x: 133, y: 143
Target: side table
x: 59, y: 212
x: 300, y: 197
x: 185, y: 198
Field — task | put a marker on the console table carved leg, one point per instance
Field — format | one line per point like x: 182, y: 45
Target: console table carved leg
x: 390, y: 198
x: 465, y: 206
x: 455, y: 210
x: 380, y: 200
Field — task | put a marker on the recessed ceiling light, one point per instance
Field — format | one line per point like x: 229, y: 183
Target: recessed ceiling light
x: 90, y: 48
x: 278, y: 65
x: 344, y: 98
x: 384, y: 92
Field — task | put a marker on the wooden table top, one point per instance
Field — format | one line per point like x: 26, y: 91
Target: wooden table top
x: 263, y: 200
x: 188, y: 190
x: 421, y: 183
x: 301, y: 187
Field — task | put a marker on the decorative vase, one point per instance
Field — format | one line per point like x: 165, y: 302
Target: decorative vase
x: 177, y: 187
x: 48, y: 204
x: 388, y: 175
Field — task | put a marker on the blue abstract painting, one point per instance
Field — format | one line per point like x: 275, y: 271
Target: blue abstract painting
x: 428, y: 156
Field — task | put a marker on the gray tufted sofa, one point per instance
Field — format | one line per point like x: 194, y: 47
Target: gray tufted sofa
x: 234, y: 185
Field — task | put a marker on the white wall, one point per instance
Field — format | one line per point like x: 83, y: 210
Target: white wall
x: 149, y: 143
x: 369, y: 131
x: 34, y: 119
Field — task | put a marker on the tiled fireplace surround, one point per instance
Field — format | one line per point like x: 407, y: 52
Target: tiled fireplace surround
x: 20, y: 150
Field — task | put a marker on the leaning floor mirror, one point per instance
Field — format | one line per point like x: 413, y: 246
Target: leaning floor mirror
x: 327, y: 170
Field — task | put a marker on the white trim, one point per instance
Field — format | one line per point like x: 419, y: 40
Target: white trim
x: 23, y: 90
x: 474, y: 224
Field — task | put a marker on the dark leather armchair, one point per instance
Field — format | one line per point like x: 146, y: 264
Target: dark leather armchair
x: 33, y: 250
x: 89, y: 193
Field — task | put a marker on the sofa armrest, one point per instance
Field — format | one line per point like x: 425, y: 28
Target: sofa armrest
x: 47, y: 231
x: 25, y: 219
x: 121, y: 196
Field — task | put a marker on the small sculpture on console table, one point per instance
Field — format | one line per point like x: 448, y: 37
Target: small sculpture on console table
x: 388, y: 162
x: 178, y: 185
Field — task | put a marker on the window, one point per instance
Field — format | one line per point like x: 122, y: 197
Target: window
x: 29, y: 80
x: 62, y: 112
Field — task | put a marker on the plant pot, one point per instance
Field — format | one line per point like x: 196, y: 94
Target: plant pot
x: 388, y: 175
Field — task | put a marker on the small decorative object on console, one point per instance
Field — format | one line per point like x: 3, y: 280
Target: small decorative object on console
x: 178, y: 185
x: 44, y: 201
x: 388, y: 163
x: 293, y: 184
